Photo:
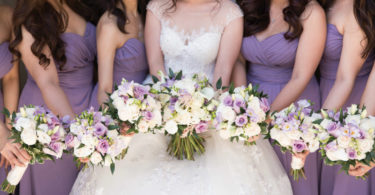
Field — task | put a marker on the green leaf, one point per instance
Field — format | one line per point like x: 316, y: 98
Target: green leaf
x: 219, y: 83
x: 6, y: 112
x: 154, y: 79
x: 179, y: 75
x: 231, y: 88
x: 112, y: 168
x: 113, y: 127
x: 171, y: 73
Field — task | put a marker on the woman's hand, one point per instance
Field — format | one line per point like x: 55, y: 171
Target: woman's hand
x: 102, y: 97
x: 360, y: 169
x: 124, y: 128
x: 302, y: 155
x: 15, y: 156
x: 253, y: 139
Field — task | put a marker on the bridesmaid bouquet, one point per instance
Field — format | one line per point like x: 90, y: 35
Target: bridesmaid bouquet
x: 135, y: 107
x: 94, y: 138
x: 41, y: 134
x: 347, y: 137
x: 188, y: 105
x: 293, y: 130
x: 241, y: 114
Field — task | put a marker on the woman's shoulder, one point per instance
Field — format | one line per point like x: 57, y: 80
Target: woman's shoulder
x: 230, y: 11
x: 159, y: 6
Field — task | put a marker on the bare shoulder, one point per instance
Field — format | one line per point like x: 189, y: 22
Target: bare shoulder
x: 313, y: 13
x: 230, y: 5
x: 107, y: 24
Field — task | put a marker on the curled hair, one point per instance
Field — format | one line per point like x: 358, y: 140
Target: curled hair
x: 45, y: 24
x: 257, y: 16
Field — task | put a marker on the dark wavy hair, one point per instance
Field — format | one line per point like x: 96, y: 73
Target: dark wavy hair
x: 88, y: 9
x: 364, y: 12
x: 111, y: 6
x: 257, y: 16
x: 45, y: 24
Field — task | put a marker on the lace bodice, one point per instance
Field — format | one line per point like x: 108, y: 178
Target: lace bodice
x: 190, y: 39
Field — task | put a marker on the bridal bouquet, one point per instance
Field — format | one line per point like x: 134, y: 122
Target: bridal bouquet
x: 188, y: 105
x: 293, y: 130
x: 241, y: 114
x: 40, y: 133
x: 135, y: 107
x: 347, y: 137
x: 94, y: 138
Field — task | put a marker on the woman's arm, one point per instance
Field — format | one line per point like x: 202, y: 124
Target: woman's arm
x: 152, y: 40
x: 309, y: 52
x: 107, y: 31
x: 239, y: 72
x: 46, y: 78
x: 351, y: 62
x: 369, y: 94
x: 230, y: 46
x: 11, y: 90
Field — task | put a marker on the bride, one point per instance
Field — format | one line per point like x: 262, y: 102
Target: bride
x: 195, y: 36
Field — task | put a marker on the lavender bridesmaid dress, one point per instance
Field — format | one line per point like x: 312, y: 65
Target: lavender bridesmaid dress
x: 333, y: 182
x: 129, y: 63
x: 5, y: 67
x: 76, y: 79
x: 270, y: 65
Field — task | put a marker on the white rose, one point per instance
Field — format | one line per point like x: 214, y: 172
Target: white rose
x: 85, y: 151
x: 325, y: 123
x: 43, y: 137
x: 164, y: 98
x: 208, y: 93
x: 365, y: 145
x: 354, y: 119
x: 343, y: 141
x: 313, y: 145
x: 129, y: 113
x: 294, y: 134
x: 112, y: 134
x: 143, y: 126
x: 30, y: 112
x: 43, y: 127
x: 187, y: 84
x: 171, y: 127
x: 89, y: 140
x: 368, y: 123
x: 96, y: 158
x: 29, y: 137
x: 308, y: 136
x: 252, y: 130
x: 297, y: 163
x: 107, y: 161
x: 25, y: 124
x: 184, y: 117
x: 284, y: 140
x: 167, y: 114
x: 361, y: 156
x: 275, y: 133
x: 337, y: 155
x: 223, y: 96
x: 228, y: 113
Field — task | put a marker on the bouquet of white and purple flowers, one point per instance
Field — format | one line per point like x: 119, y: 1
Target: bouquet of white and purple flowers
x: 95, y: 138
x: 293, y: 130
x: 135, y: 107
x: 241, y: 114
x: 40, y: 133
x: 188, y: 105
x: 347, y: 137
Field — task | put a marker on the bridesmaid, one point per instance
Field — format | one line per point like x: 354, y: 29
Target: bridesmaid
x: 9, y: 78
x: 58, y: 47
x: 283, y: 44
x: 121, y: 53
x: 344, y: 70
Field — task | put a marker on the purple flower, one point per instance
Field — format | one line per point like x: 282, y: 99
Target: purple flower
x: 55, y: 137
x: 201, y: 127
x: 97, y: 117
x: 333, y: 129
x: 66, y: 121
x: 103, y: 146
x: 241, y: 120
x: 306, y: 111
x: 264, y: 105
x: 56, y: 147
x: 331, y: 146
x: 124, y: 98
x: 240, y: 103
x: 173, y: 100
x: 299, y: 146
x: 228, y: 101
x: 69, y: 138
x: 219, y: 118
x: 148, y: 115
x: 168, y: 83
x: 140, y: 91
x: 352, y: 154
x: 100, y: 129
x: 253, y: 116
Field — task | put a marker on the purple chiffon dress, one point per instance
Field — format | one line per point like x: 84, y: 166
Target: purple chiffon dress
x: 76, y: 79
x: 130, y: 63
x: 5, y: 66
x: 270, y: 65
x: 332, y: 181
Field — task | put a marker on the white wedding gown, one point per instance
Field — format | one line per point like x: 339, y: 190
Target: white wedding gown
x: 225, y: 167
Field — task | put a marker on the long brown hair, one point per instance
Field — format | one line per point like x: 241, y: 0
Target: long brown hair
x: 364, y: 12
x: 257, y: 16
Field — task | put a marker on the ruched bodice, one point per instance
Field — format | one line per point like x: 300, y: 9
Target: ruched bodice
x: 76, y: 80
x: 130, y: 63
x: 332, y: 54
x: 270, y: 65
